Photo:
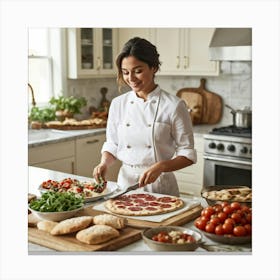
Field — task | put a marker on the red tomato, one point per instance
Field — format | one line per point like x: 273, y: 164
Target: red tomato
x: 204, y: 218
x: 235, y: 205
x: 239, y: 231
x: 229, y: 220
x: 218, y: 208
x: 236, y: 217
x: 215, y: 221
x: 219, y: 230
x: 208, y: 211
x: 222, y: 216
x: 227, y: 209
x: 249, y: 218
x: 200, y: 224
x: 248, y: 228
x: 227, y: 228
x: 224, y: 204
x: 210, y: 228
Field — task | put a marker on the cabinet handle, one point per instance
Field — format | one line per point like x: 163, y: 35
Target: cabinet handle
x: 186, y: 61
x: 92, y: 141
x: 98, y: 63
x: 178, y: 62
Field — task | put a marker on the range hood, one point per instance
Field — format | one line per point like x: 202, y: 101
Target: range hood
x: 231, y: 44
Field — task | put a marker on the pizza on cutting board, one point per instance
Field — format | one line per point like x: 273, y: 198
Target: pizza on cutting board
x: 143, y: 204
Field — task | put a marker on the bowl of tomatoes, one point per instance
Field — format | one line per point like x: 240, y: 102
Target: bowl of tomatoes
x: 228, y: 223
x: 172, y: 238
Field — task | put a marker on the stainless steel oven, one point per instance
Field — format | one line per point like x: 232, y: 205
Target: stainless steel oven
x: 228, y: 159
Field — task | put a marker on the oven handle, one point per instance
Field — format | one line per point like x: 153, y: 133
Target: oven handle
x: 229, y: 160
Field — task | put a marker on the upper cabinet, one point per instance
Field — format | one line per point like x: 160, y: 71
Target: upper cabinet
x: 91, y: 52
x: 184, y: 51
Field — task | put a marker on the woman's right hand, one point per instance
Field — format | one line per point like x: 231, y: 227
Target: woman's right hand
x: 99, y: 172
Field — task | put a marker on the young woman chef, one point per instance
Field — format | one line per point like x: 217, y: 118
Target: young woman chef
x: 148, y: 130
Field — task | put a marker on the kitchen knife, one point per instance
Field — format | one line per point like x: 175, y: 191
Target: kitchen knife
x: 128, y: 189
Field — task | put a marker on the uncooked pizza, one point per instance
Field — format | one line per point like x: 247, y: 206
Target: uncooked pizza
x: 143, y: 204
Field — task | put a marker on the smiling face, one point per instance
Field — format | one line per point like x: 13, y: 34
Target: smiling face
x: 138, y: 75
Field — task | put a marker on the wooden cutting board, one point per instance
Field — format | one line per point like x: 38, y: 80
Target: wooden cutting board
x: 206, y: 109
x: 127, y: 236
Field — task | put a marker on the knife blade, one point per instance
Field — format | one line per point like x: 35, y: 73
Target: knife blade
x: 128, y: 189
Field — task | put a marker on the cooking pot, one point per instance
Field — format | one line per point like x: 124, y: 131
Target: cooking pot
x: 241, y: 118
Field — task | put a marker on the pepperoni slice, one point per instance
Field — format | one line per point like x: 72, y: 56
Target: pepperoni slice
x: 165, y: 205
x: 121, y: 206
x: 154, y: 203
x: 137, y: 200
x: 143, y: 204
x: 150, y: 208
x: 135, y: 208
x: 166, y: 199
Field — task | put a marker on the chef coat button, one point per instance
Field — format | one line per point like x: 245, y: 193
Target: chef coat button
x: 127, y: 124
x: 149, y: 146
x: 149, y: 125
x: 128, y: 146
x: 131, y: 102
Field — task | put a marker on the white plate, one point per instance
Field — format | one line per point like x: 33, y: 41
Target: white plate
x: 111, y: 187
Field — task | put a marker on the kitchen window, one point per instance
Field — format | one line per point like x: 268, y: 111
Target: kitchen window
x: 45, y: 63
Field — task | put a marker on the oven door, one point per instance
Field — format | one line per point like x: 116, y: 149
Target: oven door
x: 224, y: 171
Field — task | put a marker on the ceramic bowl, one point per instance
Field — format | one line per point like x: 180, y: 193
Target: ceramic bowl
x: 160, y: 246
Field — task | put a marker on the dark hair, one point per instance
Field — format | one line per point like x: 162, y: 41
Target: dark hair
x: 140, y: 48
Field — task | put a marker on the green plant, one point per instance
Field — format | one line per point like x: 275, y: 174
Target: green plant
x: 42, y: 114
x: 69, y: 104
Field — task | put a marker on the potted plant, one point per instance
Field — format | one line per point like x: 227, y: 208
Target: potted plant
x: 65, y: 106
x: 38, y: 116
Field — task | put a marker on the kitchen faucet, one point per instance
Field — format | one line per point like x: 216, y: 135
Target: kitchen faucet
x: 32, y: 93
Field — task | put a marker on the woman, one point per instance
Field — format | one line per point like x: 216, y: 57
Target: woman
x: 149, y: 130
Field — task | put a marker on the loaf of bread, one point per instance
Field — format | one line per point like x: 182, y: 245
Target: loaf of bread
x: 72, y: 225
x: 110, y: 220
x: 46, y: 225
x: 97, y: 234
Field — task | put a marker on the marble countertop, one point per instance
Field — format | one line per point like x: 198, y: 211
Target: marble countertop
x: 38, y: 175
x: 39, y: 137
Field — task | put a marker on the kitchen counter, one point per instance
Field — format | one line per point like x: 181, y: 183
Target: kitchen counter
x: 39, y: 137
x: 38, y: 175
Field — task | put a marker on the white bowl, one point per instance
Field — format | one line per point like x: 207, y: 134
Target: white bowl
x: 160, y: 246
x: 56, y: 216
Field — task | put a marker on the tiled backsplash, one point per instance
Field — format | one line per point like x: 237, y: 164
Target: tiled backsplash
x: 234, y: 85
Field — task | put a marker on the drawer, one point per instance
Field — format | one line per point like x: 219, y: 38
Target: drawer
x: 51, y: 152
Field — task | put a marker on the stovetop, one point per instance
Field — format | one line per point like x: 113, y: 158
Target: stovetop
x: 232, y: 130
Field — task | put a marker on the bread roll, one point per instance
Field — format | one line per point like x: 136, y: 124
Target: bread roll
x: 97, y: 234
x: 110, y: 220
x: 72, y: 225
x: 46, y: 225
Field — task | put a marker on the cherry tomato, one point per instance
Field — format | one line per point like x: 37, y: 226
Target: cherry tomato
x: 218, y: 208
x: 229, y: 220
x: 204, y: 218
x: 222, y: 216
x: 200, y: 224
x: 224, y: 204
x: 239, y: 231
x: 235, y: 205
x: 249, y: 218
x: 210, y: 228
x: 227, y: 209
x: 236, y: 217
x: 248, y: 228
x: 215, y: 221
x: 227, y: 228
x: 208, y: 211
x: 219, y: 229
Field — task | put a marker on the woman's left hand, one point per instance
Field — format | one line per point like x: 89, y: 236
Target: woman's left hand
x: 151, y: 174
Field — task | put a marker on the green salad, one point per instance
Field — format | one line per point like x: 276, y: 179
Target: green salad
x: 57, y: 202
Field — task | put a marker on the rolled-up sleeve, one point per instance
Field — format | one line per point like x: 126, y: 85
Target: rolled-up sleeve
x: 111, y: 143
x: 183, y: 133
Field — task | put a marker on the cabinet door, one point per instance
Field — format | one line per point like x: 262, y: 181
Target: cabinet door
x: 169, y: 45
x: 198, y: 50
x: 126, y: 34
x: 66, y: 165
x: 91, y: 52
x: 88, y: 155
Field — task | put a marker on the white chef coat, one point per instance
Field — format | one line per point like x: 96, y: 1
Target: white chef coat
x: 140, y: 133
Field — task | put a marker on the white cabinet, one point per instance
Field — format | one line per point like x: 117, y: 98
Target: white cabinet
x: 190, y: 179
x: 57, y: 156
x: 88, y: 154
x: 126, y: 34
x: 91, y: 52
x: 184, y: 51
